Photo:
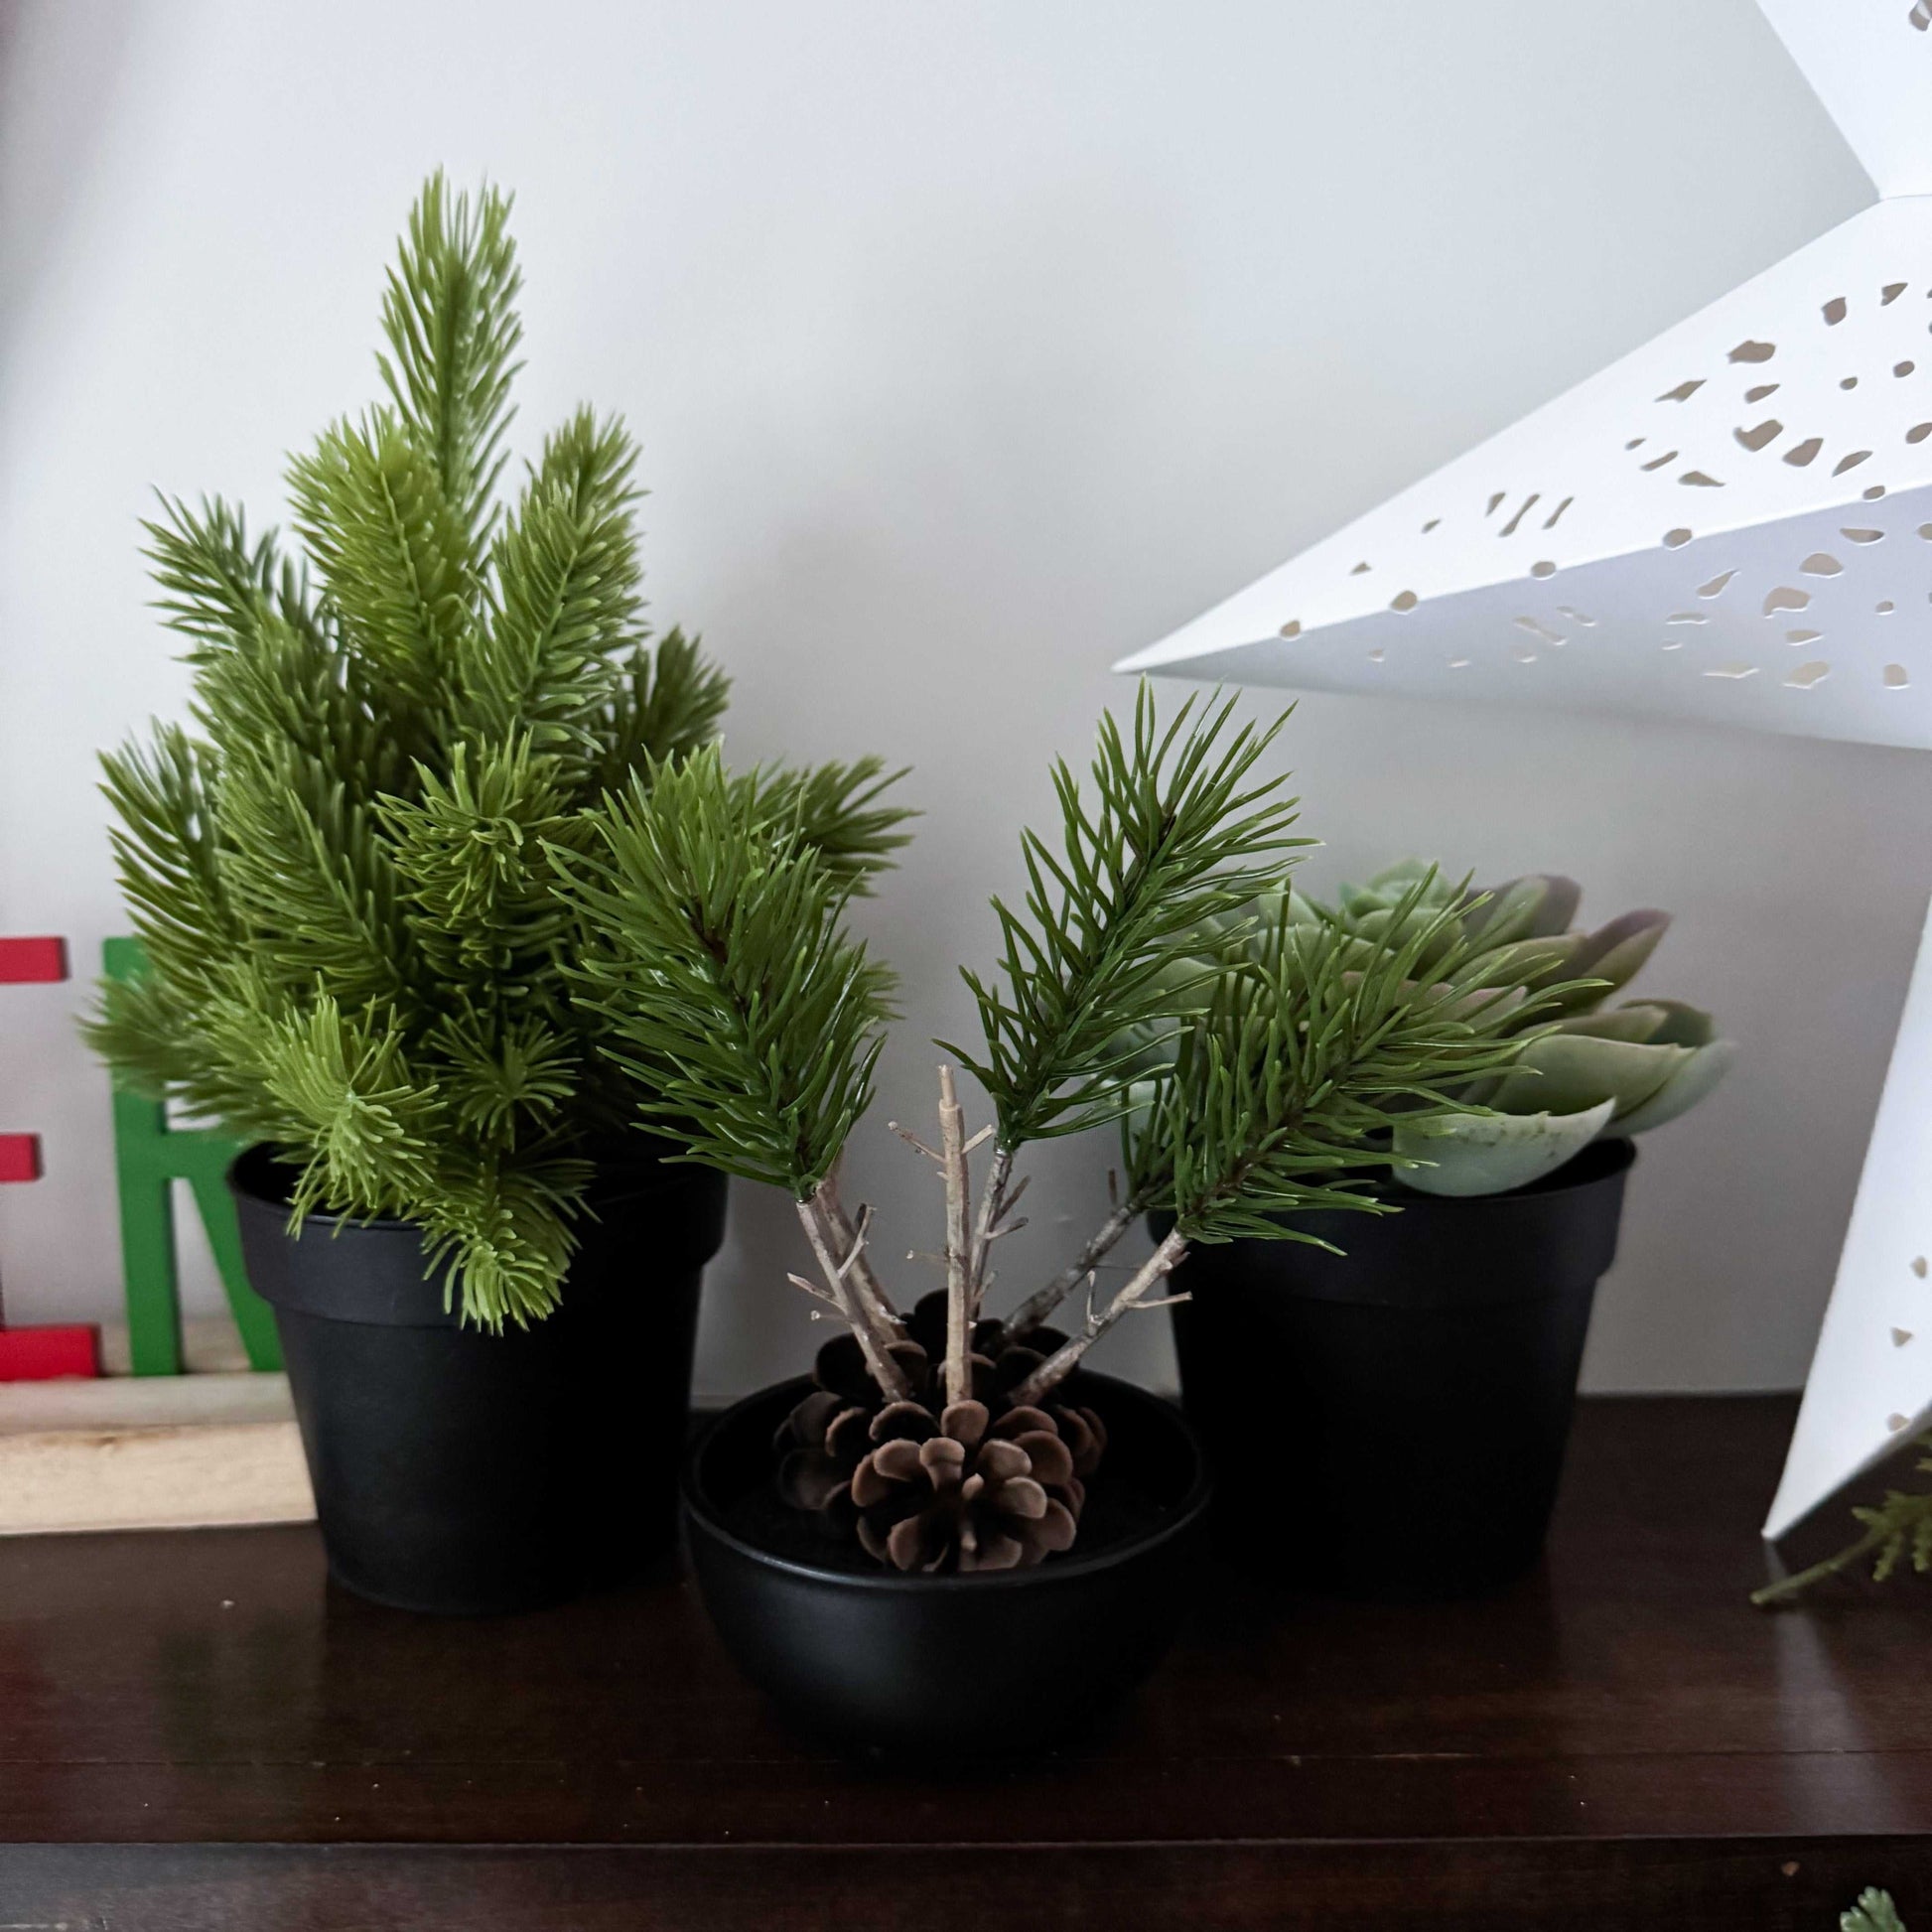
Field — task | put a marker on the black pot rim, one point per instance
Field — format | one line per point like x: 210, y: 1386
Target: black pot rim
x: 244, y: 1177
x: 1072, y: 1565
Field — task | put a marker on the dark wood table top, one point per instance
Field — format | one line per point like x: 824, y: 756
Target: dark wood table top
x: 196, y: 1732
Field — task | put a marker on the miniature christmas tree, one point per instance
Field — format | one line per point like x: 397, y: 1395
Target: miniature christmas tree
x: 355, y: 941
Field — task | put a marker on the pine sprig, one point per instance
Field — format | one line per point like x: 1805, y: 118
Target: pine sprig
x: 449, y: 316
x: 663, y: 705
x: 167, y: 849
x: 1897, y: 1531
x: 1176, y: 831
x: 270, y: 669
x: 1278, y: 1093
x: 469, y: 860
x: 565, y: 594
x: 836, y: 810
x: 312, y: 882
x: 723, y: 976
x: 392, y: 553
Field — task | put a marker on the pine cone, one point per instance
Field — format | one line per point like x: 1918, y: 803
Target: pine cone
x: 1082, y: 1430
x: 926, y: 1325
x: 987, y: 1484
x: 966, y: 1492
x: 820, y: 1442
x: 823, y: 1439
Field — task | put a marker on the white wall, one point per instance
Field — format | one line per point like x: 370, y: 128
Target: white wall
x: 970, y: 346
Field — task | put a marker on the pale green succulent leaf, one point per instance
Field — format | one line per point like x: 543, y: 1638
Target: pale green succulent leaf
x: 1539, y: 905
x: 1558, y: 909
x: 1693, y: 1081
x: 1490, y: 1153
x: 1636, y: 1021
x: 1683, y: 1024
x: 1392, y: 882
x: 1615, y: 954
x: 1566, y: 1072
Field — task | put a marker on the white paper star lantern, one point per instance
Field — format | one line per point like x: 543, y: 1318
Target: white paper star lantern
x: 1733, y: 523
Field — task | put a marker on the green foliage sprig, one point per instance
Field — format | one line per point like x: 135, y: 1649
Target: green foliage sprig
x: 1874, y: 1913
x: 1177, y: 830
x: 1895, y: 1531
x: 719, y: 967
x: 1277, y: 1095
x: 343, y: 875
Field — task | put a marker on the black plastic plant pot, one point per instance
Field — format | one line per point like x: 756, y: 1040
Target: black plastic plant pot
x: 1390, y: 1421
x: 464, y: 1472
x: 947, y: 1669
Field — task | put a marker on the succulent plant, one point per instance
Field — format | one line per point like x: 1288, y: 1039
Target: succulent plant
x: 1589, y: 1070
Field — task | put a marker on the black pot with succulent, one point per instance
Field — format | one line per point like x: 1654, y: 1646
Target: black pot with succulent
x: 1431, y: 1353
x: 484, y: 1276
x: 954, y: 1537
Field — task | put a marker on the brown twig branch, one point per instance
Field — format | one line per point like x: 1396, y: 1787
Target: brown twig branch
x: 959, y: 1250
x: 1066, y: 1359
x: 856, y: 1265
x: 1037, y: 1307
x: 994, y: 1205
x: 911, y: 1140
x: 868, y: 1330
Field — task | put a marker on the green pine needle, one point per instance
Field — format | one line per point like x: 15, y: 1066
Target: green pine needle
x: 449, y: 316
x: 1177, y: 829
x: 722, y: 975
x: 664, y: 703
x: 566, y: 593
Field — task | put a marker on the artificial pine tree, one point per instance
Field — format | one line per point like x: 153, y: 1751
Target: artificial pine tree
x: 1254, y: 1082
x: 354, y: 939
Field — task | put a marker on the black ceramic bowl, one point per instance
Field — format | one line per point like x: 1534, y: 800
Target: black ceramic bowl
x: 995, y: 1665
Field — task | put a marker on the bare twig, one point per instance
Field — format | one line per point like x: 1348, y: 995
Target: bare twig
x: 994, y: 1203
x: 856, y: 1265
x: 1037, y: 1307
x: 1150, y: 1275
x: 959, y: 1252
x: 819, y: 1220
x: 861, y: 1225
x: 910, y: 1139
